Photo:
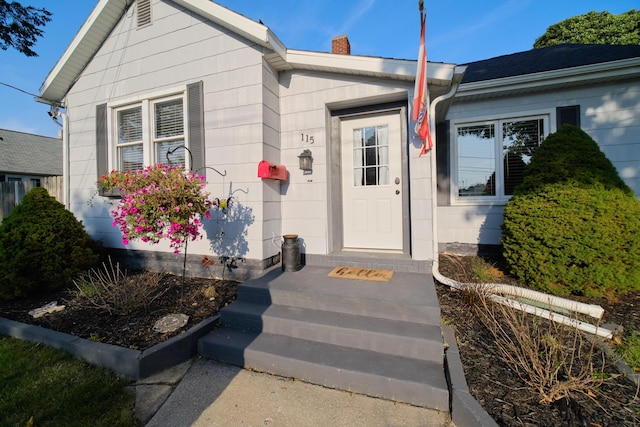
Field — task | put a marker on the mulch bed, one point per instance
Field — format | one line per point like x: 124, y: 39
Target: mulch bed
x: 505, y: 396
x: 492, y: 382
x: 134, y: 330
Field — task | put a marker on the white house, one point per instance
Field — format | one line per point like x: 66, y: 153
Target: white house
x: 28, y: 157
x: 238, y: 96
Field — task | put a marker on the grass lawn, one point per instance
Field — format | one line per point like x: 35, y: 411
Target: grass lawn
x: 42, y: 386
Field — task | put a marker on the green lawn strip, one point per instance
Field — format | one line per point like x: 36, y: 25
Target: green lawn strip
x: 58, y: 389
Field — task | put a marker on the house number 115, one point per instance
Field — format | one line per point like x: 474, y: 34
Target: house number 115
x: 307, y: 138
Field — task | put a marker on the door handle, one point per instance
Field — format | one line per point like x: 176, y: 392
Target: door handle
x: 397, y: 192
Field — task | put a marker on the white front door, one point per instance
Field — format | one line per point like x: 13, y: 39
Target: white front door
x: 371, y: 186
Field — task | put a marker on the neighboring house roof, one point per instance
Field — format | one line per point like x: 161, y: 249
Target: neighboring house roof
x: 551, y: 67
x: 27, y: 154
x: 107, y: 14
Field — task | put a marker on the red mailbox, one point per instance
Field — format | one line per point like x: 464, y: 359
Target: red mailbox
x: 272, y: 171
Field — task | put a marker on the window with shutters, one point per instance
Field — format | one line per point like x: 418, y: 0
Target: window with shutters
x: 489, y: 157
x: 150, y: 132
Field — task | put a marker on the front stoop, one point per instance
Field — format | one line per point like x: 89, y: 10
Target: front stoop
x: 382, y: 339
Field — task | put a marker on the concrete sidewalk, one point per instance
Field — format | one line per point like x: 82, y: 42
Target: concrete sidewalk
x: 203, y: 392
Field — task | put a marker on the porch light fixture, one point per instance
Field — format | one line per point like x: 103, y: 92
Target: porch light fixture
x: 306, y: 161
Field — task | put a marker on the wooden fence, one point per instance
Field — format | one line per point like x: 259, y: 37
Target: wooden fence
x: 11, y: 193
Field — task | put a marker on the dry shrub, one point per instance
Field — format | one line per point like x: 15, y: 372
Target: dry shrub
x: 555, y: 361
x: 111, y: 289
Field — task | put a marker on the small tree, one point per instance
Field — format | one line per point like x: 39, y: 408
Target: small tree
x: 570, y: 155
x: 594, y: 28
x: 20, y: 26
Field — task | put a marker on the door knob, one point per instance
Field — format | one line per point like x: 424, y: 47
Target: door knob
x: 397, y: 181
x: 397, y: 191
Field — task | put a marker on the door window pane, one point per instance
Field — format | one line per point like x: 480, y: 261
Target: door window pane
x: 371, y: 156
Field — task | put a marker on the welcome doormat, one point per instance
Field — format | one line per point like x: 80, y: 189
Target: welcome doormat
x: 357, y: 273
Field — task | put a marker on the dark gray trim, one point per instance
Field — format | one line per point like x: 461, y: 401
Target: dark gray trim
x: 102, y: 140
x: 195, y: 116
x: 443, y: 164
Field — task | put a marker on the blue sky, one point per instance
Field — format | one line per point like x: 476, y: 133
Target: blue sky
x: 457, y: 32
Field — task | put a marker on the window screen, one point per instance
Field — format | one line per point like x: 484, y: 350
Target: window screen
x: 476, y: 160
x: 130, y: 153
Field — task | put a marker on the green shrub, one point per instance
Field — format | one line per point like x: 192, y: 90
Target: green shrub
x: 570, y: 240
x: 573, y: 225
x: 570, y: 156
x: 42, y: 247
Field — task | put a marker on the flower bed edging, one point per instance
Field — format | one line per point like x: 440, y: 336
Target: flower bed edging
x: 134, y: 364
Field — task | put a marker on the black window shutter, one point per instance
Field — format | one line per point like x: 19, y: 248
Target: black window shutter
x: 195, y: 113
x: 102, y: 146
x: 443, y: 142
x: 568, y: 115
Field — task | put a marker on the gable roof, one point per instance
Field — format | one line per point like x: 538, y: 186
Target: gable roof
x: 108, y: 13
x: 553, y: 67
x: 547, y: 59
x: 27, y: 154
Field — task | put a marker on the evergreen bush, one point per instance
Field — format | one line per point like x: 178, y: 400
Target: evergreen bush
x: 573, y: 226
x: 42, y: 247
x: 570, y: 155
x: 570, y: 240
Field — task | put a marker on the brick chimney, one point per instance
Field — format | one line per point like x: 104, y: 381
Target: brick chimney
x: 340, y: 45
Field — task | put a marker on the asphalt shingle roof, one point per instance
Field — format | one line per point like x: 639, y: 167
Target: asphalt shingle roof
x: 28, y: 154
x: 547, y: 59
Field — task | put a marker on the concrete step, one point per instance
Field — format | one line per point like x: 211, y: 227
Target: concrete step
x: 403, y: 379
x: 408, y: 297
x: 400, y: 338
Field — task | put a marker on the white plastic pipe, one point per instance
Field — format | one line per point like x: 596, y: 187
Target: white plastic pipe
x: 558, y: 318
x: 592, y: 310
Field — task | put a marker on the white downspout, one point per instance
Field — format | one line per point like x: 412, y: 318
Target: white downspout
x: 494, y: 288
x: 458, y: 73
x: 66, y: 185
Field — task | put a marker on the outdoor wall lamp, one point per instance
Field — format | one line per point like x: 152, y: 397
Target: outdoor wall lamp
x: 306, y: 161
